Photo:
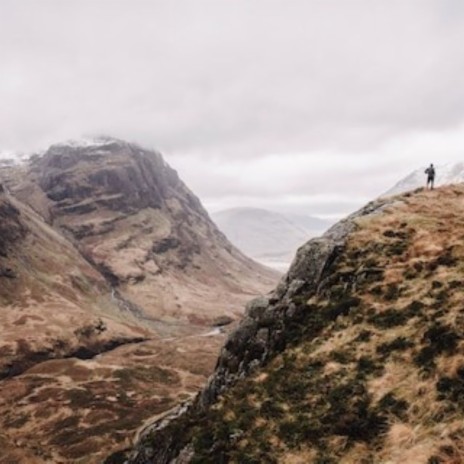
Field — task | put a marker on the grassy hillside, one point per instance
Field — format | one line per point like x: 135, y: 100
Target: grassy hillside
x: 374, y: 371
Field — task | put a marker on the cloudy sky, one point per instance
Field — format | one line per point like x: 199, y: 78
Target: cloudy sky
x: 309, y: 105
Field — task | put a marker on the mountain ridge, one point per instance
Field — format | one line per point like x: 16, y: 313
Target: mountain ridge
x: 99, y: 191
x: 451, y: 173
x: 355, y: 357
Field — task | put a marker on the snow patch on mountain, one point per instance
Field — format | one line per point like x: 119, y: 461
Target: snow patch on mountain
x: 88, y: 142
x: 11, y: 158
x: 452, y: 173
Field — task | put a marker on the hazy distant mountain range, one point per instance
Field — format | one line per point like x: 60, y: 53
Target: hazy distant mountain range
x: 268, y: 237
x: 452, y: 173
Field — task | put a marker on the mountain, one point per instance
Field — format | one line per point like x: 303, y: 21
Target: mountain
x: 131, y: 216
x: 56, y: 310
x: 268, y: 237
x: 445, y: 175
x: 50, y: 295
x: 112, y: 280
x: 355, y: 357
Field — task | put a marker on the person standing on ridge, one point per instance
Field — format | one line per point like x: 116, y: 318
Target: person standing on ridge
x: 430, y: 171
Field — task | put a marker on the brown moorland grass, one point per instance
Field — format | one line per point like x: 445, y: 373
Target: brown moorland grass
x: 383, y: 383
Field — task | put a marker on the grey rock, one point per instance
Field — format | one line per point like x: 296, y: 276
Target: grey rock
x: 239, y: 338
x: 256, y: 307
x: 263, y: 335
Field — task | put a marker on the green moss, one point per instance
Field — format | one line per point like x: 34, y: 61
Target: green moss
x: 364, y: 336
x: 446, y: 259
x: 438, y: 339
x: 368, y: 367
x: 17, y: 421
x: 119, y: 457
x: 350, y: 413
x: 392, y: 405
x: 299, y: 430
x: 389, y: 318
x: 308, y: 321
x: 271, y: 409
x: 396, y: 248
x: 390, y: 233
x: 398, y: 344
x: 392, y: 292
x: 128, y: 376
x: 410, y: 273
x: 452, y: 388
x: 415, y: 308
x: 342, y: 356
x: 342, y: 307
x: 78, y: 397
x: 455, y: 284
x: 324, y: 459
x: 434, y: 460
x: 337, y: 292
x: 377, y: 290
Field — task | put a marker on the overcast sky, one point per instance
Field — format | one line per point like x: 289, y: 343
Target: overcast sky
x: 310, y: 105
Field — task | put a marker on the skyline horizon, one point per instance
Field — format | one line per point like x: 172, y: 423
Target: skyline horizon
x: 321, y: 104
x: 286, y: 207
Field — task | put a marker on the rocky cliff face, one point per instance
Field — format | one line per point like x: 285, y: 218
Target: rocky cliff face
x: 356, y: 356
x: 133, y: 218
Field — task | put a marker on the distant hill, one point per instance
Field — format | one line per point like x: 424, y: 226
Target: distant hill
x: 268, y: 237
x: 445, y: 174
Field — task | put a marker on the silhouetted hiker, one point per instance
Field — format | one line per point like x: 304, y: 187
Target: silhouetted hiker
x: 430, y: 171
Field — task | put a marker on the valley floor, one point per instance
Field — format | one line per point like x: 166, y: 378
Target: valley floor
x: 79, y: 411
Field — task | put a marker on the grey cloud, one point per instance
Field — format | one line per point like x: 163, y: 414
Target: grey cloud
x: 213, y: 81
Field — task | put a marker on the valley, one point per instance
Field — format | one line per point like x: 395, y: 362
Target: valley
x: 113, y: 285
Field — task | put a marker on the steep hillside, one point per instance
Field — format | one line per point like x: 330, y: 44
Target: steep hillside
x: 53, y: 303
x: 445, y: 175
x: 132, y: 217
x: 268, y: 237
x: 112, y: 277
x: 56, y: 311
x: 357, y: 357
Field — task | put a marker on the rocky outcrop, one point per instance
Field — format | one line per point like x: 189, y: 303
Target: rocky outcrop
x: 266, y: 330
x: 127, y: 179
x: 11, y: 227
